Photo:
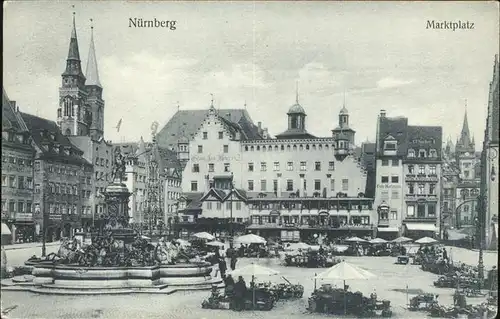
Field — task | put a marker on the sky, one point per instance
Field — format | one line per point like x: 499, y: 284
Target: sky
x: 372, y: 55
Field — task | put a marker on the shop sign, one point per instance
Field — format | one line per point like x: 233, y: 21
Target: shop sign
x: 215, y: 158
x: 388, y: 186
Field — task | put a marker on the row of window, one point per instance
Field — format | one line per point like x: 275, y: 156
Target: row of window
x: 422, y: 169
x: 174, y: 182
x: 422, y: 153
x: 173, y: 195
x: 225, y: 149
x: 320, y: 205
x: 20, y: 182
x: 289, y: 147
x: 218, y: 205
x: 385, y: 179
x: 16, y: 160
x: 421, y: 210
x: 421, y: 189
x: 16, y: 138
x: 263, y: 167
x: 101, y: 162
x: 384, y: 215
x: 334, y: 221
x: 17, y: 207
x: 220, y: 135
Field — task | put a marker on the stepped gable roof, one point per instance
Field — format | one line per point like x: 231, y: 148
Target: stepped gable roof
x: 185, y: 123
x: 395, y: 127
x: 41, y: 130
x: 426, y: 137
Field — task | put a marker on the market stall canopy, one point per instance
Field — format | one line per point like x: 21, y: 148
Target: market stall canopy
x: 250, y: 239
x: 378, y: 241
x: 340, y: 248
x: 345, y: 271
x: 253, y: 270
x: 146, y: 237
x: 402, y: 239
x: 204, y: 235
x: 6, y: 230
x: 183, y: 242
x: 297, y: 246
x: 426, y: 240
x: 215, y: 244
x: 355, y: 240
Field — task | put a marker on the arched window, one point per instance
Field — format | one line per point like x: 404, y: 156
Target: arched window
x: 411, y: 152
x: 67, y: 132
x: 422, y: 153
x: 432, y: 153
x: 68, y: 106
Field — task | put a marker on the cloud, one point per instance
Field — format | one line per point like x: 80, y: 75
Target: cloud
x: 390, y: 82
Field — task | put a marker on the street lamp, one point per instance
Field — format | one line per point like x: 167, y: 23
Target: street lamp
x: 231, y: 230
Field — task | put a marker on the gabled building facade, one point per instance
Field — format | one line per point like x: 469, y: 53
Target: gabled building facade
x: 17, y: 173
x: 227, y: 157
x: 408, y: 177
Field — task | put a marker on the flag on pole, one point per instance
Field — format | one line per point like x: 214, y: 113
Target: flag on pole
x: 118, y: 125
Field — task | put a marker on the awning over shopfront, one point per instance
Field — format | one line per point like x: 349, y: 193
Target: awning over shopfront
x: 6, y: 230
x: 388, y: 229
x: 421, y: 227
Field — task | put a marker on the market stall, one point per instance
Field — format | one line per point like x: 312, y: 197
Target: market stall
x: 328, y: 299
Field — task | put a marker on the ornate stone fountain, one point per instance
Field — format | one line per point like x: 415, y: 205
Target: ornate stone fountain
x: 118, y: 260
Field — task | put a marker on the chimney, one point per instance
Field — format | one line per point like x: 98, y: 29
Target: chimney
x: 259, y: 124
x: 266, y: 133
x: 382, y: 113
x: 13, y: 104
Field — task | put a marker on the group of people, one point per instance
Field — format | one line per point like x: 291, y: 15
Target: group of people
x: 235, y: 292
x: 233, y: 259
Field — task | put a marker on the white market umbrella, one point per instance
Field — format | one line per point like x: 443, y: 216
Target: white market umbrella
x: 183, y: 242
x: 345, y: 271
x: 204, y: 235
x: 297, y: 246
x: 254, y: 270
x: 146, y: 237
x: 215, y: 244
x: 426, y: 240
x: 250, y: 239
x: 355, y: 240
x: 402, y: 239
x: 378, y: 241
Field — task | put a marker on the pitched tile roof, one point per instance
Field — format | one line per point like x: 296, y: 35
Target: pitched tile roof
x: 395, y: 127
x: 169, y: 159
x: 42, y: 131
x: 426, y: 137
x: 185, y: 123
x: 11, y: 120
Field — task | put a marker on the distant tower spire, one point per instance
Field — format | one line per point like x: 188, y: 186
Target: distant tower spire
x: 92, y: 72
x: 73, y: 53
x: 212, y: 101
x: 178, y: 106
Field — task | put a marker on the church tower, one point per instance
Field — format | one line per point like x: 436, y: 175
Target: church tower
x: 465, y: 151
x: 94, y: 89
x: 73, y: 114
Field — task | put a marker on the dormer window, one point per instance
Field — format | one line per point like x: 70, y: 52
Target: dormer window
x: 411, y: 153
x: 432, y: 153
x: 390, y: 145
x: 422, y: 153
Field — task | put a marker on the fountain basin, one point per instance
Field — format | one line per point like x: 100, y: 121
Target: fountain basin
x: 74, y: 279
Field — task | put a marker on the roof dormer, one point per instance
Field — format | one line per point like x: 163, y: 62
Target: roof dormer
x: 390, y: 145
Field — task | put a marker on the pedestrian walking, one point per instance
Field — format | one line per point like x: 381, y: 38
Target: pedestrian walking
x: 234, y: 260
x: 222, y: 267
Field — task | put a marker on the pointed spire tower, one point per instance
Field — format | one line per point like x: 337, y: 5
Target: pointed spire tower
x: 465, y: 143
x: 94, y: 89
x: 73, y: 115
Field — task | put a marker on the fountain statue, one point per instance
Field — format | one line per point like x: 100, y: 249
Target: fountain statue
x: 118, y: 257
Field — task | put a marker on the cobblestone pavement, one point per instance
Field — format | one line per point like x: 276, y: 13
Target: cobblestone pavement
x: 391, y: 283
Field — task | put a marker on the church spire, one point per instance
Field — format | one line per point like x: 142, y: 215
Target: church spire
x: 92, y: 72
x: 74, y: 53
x: 465, y: 134
x: 297, y: 92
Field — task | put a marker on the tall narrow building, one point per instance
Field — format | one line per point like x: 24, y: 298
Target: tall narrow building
x: 73, y: 114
